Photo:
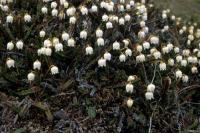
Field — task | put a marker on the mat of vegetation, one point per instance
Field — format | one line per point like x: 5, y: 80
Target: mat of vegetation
x: 97, y: 66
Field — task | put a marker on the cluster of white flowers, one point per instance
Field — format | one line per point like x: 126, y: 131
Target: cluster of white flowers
x: 150, y: 90
x: 130, y: 88
x: 149, y: 48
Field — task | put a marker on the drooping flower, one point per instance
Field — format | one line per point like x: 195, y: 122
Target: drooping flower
x: 151, y: 87
x: 9, y: 19
x: 72, y: 20
x: 19, y: 44
x: 146, y: 45
x: 42, y: 33
x: 149, y: 95
x: 140, y: 58
x: 107, y: 56
x: 116, y: 45
x: 84, y: 10
x: 27, y: 18
x: 171, y: 62
x: 122, y: 58
x: 185, y: 78
x: 109, y: 25
x: 58, y: 47
x: 89, y: 50
x: 37, y: 65
x: 129, y: 88
x: 10, y: 63
x: 94, y: 8
x: 10, y: 46
x: 194, y: 70
x: 99, y: 33
x: 83, y: 34
x: 102, y: 62
x: 44, y: 10
x: 48, y: 51
x: 128, y: 52
x: 71, y: 42
x: 54, y: 70
x: 54, y: 12
x: 53, y: 4
x: 178, y: 74
x: 65, y: 36
x: 31, y: 76
x: 100, y: 41
x: 162, y: 66
x: 129, y: 102
x: 154, y: 40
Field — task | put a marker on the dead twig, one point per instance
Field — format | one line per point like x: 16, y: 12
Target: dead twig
x: 188, y: 88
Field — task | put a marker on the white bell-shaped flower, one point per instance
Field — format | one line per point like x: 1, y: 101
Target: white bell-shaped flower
x: 83, y: 34
x: 54, y: 12
x: 129, y: 102
x: 10, y: 46
x: 149, y: 95
x: 102, y: 62
x: 9, y: 19
x: 140, y: 58
x: 37, y: 65
x: 89, y: 50
x: 10, y: 63
x: 94, y: 8
x: 48, y: 51
x: 185, y: 78
x: 109, y: 25
x: 99, y: 33
x: 72, y: 20
x: 65, y: 36
x: 116, y: 45
x: 31, y: 76
x: 151, y: 87
x: 154, y: 40
x: 44, y: 10
x: 54, y: 70
x: 107, y: 56
x: 162, y: 66
x: 128, y: 52
x: 129, y: 88
x: 71, y: 42
x: 171, y: 62
x: 122, y: 58
x: 19, y: 44
x: 58, y: 47
x: 178, y: 74
x: 100, y: 42
x: 27, y: 18
x: 42, y: 33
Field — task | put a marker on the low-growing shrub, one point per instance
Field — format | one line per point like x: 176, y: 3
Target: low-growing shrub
x: 96, y: 66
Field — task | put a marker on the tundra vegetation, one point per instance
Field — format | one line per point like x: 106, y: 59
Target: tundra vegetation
x: 97, y: 66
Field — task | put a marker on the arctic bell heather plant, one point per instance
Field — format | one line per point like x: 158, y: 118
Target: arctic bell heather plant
x: 125, y: 65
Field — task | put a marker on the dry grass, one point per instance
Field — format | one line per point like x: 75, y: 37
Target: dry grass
x: 188, y: 9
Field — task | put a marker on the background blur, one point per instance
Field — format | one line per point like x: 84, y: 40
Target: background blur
x: 189, y: 9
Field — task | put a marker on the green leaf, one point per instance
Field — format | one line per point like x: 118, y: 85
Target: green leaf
x: 46, y: 109
x: 91, y: 112
x: 25, y: 92
x: 20, y: 130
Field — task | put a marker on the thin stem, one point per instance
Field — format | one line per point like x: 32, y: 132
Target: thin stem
x: 145, y: 74
x: 150, y: 124
x: 150, y: 120
x: 154, y: 74
x: 188, y: 88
